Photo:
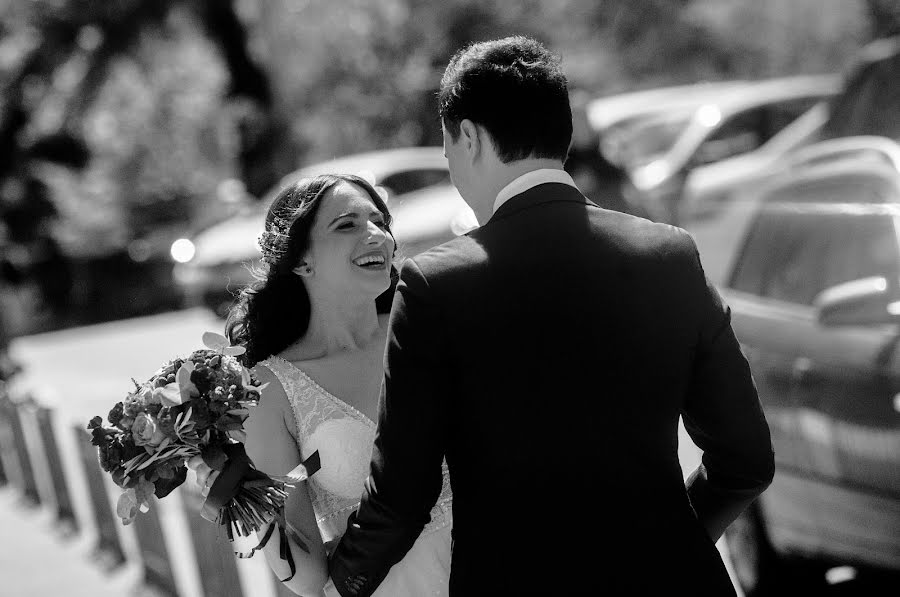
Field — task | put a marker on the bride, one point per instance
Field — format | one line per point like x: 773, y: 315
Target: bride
x: 314, y: 326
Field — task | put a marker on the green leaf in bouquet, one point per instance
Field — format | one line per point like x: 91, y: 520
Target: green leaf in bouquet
x: 238, y: 412
x: 234, y: 351
x: 214, y: 457
x: 238, y: 435
x: 164, y: 486
x: 134, y: 463
x: 120, y: 477
x: 150, y: 460
x: 182, y: 419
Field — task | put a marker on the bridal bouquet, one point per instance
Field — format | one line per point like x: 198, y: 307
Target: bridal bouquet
x: 190, y: 406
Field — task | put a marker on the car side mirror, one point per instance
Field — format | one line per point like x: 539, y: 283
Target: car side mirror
x: 866, y: 301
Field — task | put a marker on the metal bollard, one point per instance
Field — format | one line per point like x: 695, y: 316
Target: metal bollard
x: 8, y: 457
x: 108, y: 550
x: 23, y: 457
x: 157, y: 565
x: 215, y: 559
x: 3, y: 478
x: 65, y: 513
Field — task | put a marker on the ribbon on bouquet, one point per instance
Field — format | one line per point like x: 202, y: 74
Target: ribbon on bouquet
x: 239, y: 472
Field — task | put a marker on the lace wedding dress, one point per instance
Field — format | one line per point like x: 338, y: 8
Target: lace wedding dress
x: 344, y: 437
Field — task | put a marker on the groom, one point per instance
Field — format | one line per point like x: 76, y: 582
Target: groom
x: 548, y: 355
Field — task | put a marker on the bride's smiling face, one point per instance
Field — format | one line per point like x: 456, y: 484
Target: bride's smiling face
x: 350, y: 248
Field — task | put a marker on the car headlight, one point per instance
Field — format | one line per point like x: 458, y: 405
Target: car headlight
x: 182, y: 250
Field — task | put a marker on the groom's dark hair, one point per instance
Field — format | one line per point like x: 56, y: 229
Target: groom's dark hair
x: 516, y: 89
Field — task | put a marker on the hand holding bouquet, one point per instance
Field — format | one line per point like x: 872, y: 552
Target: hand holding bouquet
x: 190, y: 407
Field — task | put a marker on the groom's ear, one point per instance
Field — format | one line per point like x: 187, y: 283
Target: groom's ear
x: 469, y: 133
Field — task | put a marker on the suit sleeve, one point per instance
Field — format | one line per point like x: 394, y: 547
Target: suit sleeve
x: 405, y: 476
x: 722, y: 414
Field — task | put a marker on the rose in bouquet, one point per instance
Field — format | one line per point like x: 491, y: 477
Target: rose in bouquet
x: 191, y: 406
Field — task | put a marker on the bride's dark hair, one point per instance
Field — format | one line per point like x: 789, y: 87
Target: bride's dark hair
x: 273, y: 312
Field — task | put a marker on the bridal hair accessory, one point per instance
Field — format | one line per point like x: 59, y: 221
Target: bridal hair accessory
x: 273, y: 242
x: 193, y: 406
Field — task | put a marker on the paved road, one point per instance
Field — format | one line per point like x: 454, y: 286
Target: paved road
x: 36, y: 561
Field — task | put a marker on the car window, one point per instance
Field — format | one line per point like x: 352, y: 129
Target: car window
x: 794, y: 251
x: 639, y: 141
x: 736, y: 135
x: 781, y: 114
x: 413, y: 180
x: 803, y: 129
x: 748, y: 130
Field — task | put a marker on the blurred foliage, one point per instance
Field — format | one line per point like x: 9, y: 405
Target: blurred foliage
x: 126, y: 115
x: 169, y: 96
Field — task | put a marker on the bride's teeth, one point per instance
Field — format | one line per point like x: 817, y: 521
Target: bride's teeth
x: 370, y: 259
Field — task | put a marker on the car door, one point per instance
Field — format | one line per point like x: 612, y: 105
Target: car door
x: 847, y: 379
x: 769, y: 297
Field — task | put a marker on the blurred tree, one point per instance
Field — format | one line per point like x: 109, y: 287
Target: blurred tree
x: 123, y: 141
x: 132, y: 112
x: 85, y: 39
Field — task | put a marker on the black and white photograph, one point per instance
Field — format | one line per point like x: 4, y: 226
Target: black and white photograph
x: 449, y: 298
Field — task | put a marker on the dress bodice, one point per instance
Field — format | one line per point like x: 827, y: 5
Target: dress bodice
x: 344, y: 437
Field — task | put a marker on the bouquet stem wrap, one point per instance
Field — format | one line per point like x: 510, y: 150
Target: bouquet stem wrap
x: 242, y: 498
x: 245, y: 499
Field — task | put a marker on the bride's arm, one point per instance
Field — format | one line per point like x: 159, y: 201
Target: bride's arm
x: 273, y: 450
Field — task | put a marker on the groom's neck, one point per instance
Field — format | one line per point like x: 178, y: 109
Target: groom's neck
x: 498, y: 174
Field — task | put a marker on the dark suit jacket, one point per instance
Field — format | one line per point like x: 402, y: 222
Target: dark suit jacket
x: 548, y: 355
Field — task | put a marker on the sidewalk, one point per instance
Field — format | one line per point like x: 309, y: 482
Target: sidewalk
x: 36, y: 561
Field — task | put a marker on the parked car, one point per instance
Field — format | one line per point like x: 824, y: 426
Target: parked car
x: 814, y: 291
x: 427, y: 211
x: 618, y: 118
x: 708, y: 188
x: 739, y: 121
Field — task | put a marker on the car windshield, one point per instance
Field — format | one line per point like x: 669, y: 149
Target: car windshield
x: 640, y: 141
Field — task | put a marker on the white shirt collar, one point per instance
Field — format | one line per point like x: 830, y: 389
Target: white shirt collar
x: 529, y: 180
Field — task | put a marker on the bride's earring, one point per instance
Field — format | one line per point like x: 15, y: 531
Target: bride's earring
x: 304, y: 269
